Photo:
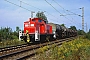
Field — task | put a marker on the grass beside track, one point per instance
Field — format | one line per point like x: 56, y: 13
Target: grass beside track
x: 7, y: 43
x: 78, y: 49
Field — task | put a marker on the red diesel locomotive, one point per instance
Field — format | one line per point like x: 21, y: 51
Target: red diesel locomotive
x: 36, y: 29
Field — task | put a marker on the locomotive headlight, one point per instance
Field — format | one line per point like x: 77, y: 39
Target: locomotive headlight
x: 32, y: 24
x: 26, y: 25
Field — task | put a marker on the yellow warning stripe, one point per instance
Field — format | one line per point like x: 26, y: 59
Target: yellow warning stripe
x: 28, y: 38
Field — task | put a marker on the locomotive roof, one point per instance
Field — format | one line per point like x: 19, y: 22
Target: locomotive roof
x: 36, y: 18
x: 33, y: 19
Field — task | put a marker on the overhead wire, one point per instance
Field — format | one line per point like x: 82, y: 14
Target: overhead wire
x: 24, y: 7
x: 67, y: 10
x: 29, y: 5
x: 28, y: 9
x: 52, y: 6
x: 36, y: 8
x: 17, y: 5
x: 40, y: 9
x: 57, y: 10
x: 60, y: 6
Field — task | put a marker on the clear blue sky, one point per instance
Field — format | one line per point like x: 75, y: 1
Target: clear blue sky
x: 12, y: 16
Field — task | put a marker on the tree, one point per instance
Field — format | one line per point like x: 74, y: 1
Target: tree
x: 87, y: 35
x: 42, y: 16
x: 5, y: 33
x: 73, y: 27
x: 63, y: 25
x: 17, y: 31
x: 80, y: 32
x: 89, y: 31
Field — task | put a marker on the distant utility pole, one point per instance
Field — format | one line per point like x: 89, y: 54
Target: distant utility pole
x: 82, y: 18
x: 20, y: 3
x: 86, y: 27
x: 32, y: 14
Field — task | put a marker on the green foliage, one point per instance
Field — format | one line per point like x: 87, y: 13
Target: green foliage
x: 14, y: 42
x: 17, y: 29
x: 73, y: 27
x: 81, y: 32
x: 63, y: 25
x: 6, y: 33
x: 42, y: 16
x: 89, y: 31
x: 87, y: 35
x: 8, y: 37
x: 78, y: 49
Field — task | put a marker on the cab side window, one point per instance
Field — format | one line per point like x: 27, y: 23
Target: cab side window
x: 33, y: 20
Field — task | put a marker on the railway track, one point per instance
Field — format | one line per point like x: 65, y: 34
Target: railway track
x: 11, y: 47
x: 57, y: 43
x: 26, y: 51
x: 7, y: 50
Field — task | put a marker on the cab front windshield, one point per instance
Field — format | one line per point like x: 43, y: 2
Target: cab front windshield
x: 39, y: 20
